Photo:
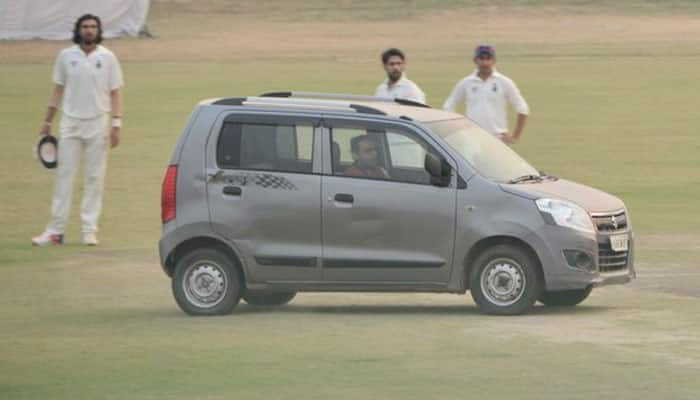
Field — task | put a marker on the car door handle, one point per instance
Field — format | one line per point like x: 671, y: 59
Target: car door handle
x: 232, y: 190
x: 344, y: 198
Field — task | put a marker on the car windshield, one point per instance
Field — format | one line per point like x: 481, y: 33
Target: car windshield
x: 491, y: 157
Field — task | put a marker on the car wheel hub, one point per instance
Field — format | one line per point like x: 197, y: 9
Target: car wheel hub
x: 205, y: 284
x: 503, y: 282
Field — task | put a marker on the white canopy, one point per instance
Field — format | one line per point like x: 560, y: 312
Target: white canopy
x: 54, y: 19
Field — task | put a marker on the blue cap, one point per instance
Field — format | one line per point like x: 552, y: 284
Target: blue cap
x: 484, y: 50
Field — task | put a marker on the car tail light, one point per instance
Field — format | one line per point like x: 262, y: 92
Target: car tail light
x: 168, y: 204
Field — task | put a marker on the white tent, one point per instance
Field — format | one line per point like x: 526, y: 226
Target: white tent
x: 54, y: 19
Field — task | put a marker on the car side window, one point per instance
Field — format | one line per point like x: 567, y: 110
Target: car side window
x: 392, y: 155
x: 269, y: 147
x: 405, y: 152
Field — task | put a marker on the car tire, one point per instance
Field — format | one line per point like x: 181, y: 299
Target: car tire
x: 268, y: 298
x: 565, y: 298
x: 505, y: 280
x: 207, y: 282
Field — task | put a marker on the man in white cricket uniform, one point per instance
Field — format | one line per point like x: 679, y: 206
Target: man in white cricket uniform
x: 397, y: 85
x: 88, y: 78
x: 487, y: 94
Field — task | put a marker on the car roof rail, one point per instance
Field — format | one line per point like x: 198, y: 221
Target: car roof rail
x: 229, y: 101
x: 366, y: 110
x: 281, y: 101
x: 344, y: 96
x: 407, y: 102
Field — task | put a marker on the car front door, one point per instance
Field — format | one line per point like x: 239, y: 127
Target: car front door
x: 384, y: 224
x: 263, y: 190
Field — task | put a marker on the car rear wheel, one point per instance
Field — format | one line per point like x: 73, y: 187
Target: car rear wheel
x: 505, y: 280
x: 268, y: 298
x: 567, y: 298
x: 206, y: 282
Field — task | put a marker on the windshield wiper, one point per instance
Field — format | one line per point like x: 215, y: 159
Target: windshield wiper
x: 548, y: 177
x: 525, y: 178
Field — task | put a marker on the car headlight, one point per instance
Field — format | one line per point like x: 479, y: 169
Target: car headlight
x: 565, y: 213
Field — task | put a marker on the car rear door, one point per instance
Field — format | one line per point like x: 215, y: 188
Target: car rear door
x: 393, y: 230
x: 263, y: 191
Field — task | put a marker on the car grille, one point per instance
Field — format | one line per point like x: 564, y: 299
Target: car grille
x: 610, y: 260
x: 612, y: 222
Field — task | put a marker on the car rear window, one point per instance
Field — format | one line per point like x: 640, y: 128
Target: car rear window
x: 269, y: 147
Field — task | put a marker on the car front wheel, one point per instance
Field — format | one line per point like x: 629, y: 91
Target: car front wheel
x: 505, y: 280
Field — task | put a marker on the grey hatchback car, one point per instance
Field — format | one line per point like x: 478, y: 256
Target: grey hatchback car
x: 289, y: 192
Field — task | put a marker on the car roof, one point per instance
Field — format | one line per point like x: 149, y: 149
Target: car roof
x: 421, y: 114
x: 343, y: 103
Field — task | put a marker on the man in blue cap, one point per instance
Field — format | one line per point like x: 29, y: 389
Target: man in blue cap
x: 487, y: 93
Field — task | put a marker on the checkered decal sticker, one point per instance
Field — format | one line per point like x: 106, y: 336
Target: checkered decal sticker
x: 267, y: 181
x: 274, y: 182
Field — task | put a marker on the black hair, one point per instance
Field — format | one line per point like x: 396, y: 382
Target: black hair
x: 392, y: 52
x: 355, y: 142
x: 76, y: 30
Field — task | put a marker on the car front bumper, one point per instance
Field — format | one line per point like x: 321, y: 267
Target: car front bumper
x: 614, y: 278
x: 559, y: 275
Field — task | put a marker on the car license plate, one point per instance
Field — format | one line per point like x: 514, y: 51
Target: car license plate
x: 619, y: 242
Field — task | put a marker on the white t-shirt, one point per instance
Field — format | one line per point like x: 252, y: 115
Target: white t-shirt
x: 401, y: 89
x: 487, y: 100
x: 87, y: 80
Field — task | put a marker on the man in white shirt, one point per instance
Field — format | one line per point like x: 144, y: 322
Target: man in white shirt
x: 397, y: 85
x: 88, y: 78
x: 487, y: 93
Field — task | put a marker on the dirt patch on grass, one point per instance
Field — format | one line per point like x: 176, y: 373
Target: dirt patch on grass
x: 676, y: 280
x: 669, y: 241
x: 632, y: 320
x: 666, y: 264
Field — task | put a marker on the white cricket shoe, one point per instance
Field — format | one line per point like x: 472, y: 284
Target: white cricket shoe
x: 47, y: 239
x: 90, y: 239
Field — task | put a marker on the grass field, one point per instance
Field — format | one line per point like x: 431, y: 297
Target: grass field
x: 613, y: 90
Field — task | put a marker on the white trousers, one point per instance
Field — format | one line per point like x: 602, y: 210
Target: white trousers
x: 88, y: 137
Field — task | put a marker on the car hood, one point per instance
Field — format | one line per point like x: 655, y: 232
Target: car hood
x: 591, y: 199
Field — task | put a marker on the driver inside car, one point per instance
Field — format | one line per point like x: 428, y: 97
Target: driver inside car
x: 365, y: 152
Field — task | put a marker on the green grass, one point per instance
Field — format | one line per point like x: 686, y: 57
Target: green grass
x: 83, y: 340
x: 101, y: 323
x: 624, y: 128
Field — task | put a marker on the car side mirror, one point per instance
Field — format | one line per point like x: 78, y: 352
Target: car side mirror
x: 439, y: 169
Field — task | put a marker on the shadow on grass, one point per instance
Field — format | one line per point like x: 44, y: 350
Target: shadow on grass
x: 368, y: 309
x: 398, y: 309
